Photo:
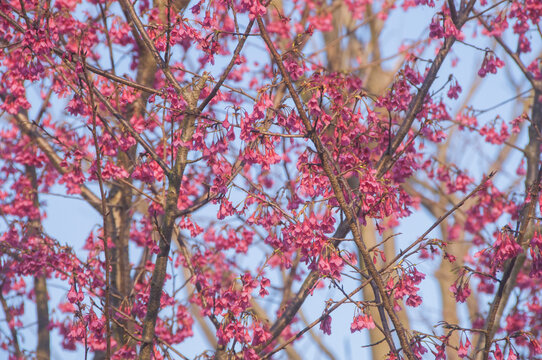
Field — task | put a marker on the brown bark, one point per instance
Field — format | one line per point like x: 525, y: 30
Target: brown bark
x: 351, y: 218
x: 532, y: 186
x: 166, y: 228
x: 381, y: 347
x: 43, y: 351
x: 446, y: 274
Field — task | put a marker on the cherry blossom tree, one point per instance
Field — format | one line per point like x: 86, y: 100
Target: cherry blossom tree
x: 248, y: 157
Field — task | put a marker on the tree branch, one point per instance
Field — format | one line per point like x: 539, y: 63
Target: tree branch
x: 327, y: 165
x: 532, y: 185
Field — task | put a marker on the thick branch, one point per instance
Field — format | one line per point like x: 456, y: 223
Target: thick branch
x: 532, y: 186
x: 342, y: 230
x: 328, y: 167
x: 43, y: 351
x: 166, y: 229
